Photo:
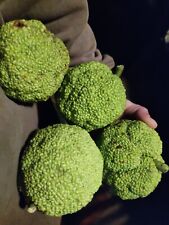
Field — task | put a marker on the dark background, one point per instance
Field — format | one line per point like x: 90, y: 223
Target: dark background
x: 133, y: 33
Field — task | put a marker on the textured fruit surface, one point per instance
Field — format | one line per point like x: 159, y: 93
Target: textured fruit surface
x: 33, y: 61
x: 62, y: 169
x: 91, y: 96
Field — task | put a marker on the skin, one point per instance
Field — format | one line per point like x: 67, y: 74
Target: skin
x: 140, y: 113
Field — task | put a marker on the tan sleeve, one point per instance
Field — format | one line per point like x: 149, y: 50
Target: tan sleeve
x: 68, y: 20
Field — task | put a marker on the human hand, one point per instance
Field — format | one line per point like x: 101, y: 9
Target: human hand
x: 139, y: 112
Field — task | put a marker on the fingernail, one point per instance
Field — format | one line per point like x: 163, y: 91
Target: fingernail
x: 153, y: 123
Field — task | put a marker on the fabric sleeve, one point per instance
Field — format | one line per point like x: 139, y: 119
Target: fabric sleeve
x: 67, y: 20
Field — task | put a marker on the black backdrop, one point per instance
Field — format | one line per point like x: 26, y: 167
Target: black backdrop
x: 133, y: 31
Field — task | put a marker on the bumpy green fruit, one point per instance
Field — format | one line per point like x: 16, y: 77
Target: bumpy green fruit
x: 133, y: 164
x: 91, y: 96
x: 62, y: 169
x: 33, y: 61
